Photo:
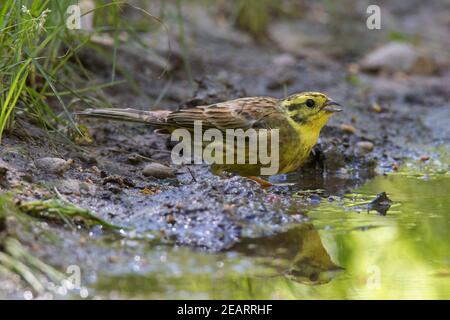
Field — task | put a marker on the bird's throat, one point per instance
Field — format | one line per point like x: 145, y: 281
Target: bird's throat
x: 310, y: 130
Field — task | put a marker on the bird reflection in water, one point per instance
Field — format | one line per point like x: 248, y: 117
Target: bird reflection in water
x: 298, y: 254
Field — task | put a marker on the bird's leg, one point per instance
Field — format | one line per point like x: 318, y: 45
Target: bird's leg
x: 218, y: 171
x: 264, y: 183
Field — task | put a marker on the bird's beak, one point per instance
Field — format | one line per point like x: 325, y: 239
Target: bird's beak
x: 332, y: 106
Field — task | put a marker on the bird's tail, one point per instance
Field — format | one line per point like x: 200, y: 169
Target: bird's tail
x: 155, y: 118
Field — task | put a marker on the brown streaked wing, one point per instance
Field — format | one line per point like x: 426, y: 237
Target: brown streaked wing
x: 240, y: 113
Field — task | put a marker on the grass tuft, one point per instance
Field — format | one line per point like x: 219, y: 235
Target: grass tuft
x: 42, y: 73
x: 62, y: 211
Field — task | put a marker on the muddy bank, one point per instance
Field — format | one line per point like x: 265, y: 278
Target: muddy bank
x: 388, y: 117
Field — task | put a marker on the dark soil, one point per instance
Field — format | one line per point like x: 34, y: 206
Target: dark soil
x: 198, y: 209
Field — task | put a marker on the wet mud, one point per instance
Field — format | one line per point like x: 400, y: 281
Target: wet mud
x: 387, y: 118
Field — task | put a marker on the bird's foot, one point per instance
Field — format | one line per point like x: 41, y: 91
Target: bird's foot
x: 263, y: 183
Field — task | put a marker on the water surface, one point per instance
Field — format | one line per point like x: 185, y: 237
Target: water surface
x: 344, y: 252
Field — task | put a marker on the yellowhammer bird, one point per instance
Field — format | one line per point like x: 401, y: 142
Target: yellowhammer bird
x: 298, y: 118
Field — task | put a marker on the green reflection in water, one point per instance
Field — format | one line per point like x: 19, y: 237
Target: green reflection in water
x: 403, y: 255
x: 407, y: 251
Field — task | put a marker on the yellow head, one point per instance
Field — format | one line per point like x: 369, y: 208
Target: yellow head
x: 310, y: 108
x: 308, y: 113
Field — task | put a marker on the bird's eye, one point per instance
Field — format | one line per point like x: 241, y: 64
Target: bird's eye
x: 310, y: 103
x: 314, y: 276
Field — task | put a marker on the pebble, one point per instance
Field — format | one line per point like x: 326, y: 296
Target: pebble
x: 394, y: 56
x: 365, y: 146
x: 400, y: 57
x: 170, y: 219
x: 376, y: 107
x: 53, y: 165
x: 158, y: 171
x: 348, y: 128
x: 424, y: 158
x: 113, y: 259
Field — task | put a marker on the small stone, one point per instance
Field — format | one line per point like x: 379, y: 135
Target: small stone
x: 88, y: 180
x: 381, y: 204
x: 170, y: 219
x: 394, y: 56
x: 376, y: 107
x: 158, y: 171
x: 348, y: 128
x: 402, y: 57
x: 179, y: 206
x: 424, y: 158
x: 53, y: 165
x: 366, y: 146
x: 113, y: 259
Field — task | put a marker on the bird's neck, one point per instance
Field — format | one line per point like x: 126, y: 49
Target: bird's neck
x: 310, y: 130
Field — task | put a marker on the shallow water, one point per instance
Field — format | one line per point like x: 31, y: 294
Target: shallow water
x: 344, y: 252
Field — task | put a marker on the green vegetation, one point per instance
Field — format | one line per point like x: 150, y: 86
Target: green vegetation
x: 42, y: 73
x: 32, y: 37
x: 65, y: 212
x: 15, y: 257
x: 17, y: 219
